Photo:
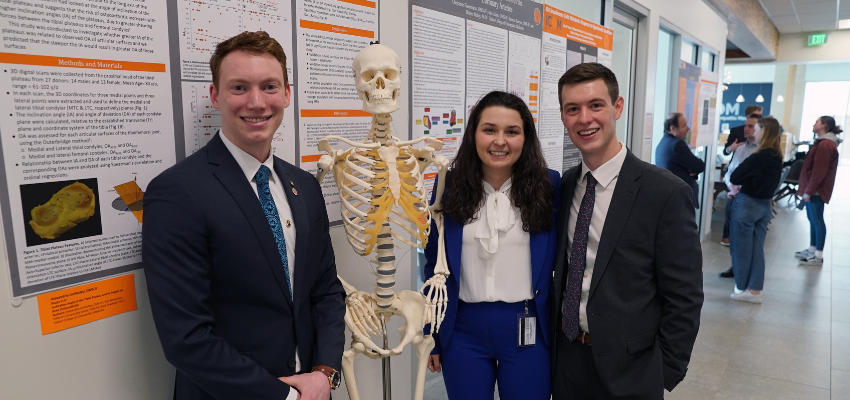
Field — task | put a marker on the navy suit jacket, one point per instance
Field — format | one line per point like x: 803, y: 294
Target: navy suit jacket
x: 216, y: 284
x: 673, y: 154
x: 542, y: 258
x: 646, y: 294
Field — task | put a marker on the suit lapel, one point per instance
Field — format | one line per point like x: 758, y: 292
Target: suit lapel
x: 454, y: 234
x: 233, y: 179
x: 618, y: 213
x: 302, y: 225
x: 568, y: 188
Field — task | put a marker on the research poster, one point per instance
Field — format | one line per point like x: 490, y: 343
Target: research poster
x: 688, y: 98
x: 201, y: 27
x: 86, y: 87
x: 707, y: 113
x: 567, y: 41
x: 329, y: 34
x: 462, y: 50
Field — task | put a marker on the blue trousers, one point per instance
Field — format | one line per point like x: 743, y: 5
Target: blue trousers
x: 750, y: 217
x: 814, y: 210
x: 483, y: 349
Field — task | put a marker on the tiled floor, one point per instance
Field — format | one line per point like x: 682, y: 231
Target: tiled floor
x: 796, y: 344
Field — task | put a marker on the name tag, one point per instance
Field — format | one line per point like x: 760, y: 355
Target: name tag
x: 526, y: 330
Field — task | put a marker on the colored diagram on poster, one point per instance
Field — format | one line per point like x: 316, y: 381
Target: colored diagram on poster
x: 201, y: 121
x: 130, y: 199
x: 524, y: 71
x: 205, y: 24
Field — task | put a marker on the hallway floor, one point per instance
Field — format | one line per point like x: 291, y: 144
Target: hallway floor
x: 793, y: 346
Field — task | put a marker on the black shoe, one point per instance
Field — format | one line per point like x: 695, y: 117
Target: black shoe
x: 727, y: 274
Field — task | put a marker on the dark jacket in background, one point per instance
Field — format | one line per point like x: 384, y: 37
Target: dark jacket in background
x: 673, y: 154
x: 736, y: 133
x: 818, y: 174
x: 759, y: 174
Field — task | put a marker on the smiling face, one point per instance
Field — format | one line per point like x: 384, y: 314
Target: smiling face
x: 499, y: 138
x: 680, y: 131
x: 591, y: 119
x: 251, y: 97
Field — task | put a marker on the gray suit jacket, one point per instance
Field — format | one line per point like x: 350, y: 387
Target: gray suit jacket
x: 646, y: 291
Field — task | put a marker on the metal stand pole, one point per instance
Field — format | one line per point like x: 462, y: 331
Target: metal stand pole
x: 385, y: 363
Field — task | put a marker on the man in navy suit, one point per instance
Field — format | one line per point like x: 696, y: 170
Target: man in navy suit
x: 675, y: 155
x: 237, y: 253
x: 627, y: 289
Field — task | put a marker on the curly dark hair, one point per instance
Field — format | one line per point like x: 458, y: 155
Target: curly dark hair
x: 530, y: 191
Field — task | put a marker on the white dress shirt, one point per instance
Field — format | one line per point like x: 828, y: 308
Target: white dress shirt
x: 738, y: 157
x: 606, y: 177
x: 250, y: 166
x: 495, y: 255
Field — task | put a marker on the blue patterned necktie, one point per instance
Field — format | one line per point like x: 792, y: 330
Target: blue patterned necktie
x: 270, y: 209
x: 578, y: 261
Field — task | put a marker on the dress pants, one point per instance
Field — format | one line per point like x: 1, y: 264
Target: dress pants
x: 483, y: 349
x: 576, y: 377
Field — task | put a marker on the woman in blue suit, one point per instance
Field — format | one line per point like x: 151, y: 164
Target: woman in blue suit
x: 499, y: 211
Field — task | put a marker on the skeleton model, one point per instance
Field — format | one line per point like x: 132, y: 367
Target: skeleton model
x: 381, y: 189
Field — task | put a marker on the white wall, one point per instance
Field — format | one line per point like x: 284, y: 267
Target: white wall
x: 793, y: 48
x: 750, y: 73
x: 828, y: 72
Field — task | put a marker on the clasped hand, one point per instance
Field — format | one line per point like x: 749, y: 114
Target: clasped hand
x: 312, y: 386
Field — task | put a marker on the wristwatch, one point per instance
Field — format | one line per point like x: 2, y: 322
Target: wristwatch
x: 332, y: 374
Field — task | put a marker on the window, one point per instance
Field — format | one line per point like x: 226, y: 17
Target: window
x: 709, y: 61
x: 690, y: 51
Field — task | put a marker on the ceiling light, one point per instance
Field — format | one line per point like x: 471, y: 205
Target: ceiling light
x: 844, y: 24
x: 739, y: 99
x: 780, y: 99
x: 759, y: 99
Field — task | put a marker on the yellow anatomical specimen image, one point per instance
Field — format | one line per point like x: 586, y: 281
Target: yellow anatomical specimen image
x: 70, y: 206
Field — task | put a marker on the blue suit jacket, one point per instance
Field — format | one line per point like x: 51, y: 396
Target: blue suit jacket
x: 674, y: 155
x: 543, y: 245
x: 215, y: 279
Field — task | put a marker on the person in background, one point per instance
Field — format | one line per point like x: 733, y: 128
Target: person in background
x: 737, y: 137
x: 674, y: 154
x: 758, y: 176
x: 499, y: 208
x: 738, y: 157
x: 816, y: 182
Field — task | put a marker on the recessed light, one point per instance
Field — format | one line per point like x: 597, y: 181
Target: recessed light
x: 844, y: 24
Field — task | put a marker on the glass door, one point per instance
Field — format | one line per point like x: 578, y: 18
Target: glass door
x: 624, y: 49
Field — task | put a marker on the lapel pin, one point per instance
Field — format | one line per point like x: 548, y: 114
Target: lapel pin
x: 288, y: 223
x: 291, y: 183
x: 295, y: 192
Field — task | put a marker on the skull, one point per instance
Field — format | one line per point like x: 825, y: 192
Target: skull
x: 377, y: 78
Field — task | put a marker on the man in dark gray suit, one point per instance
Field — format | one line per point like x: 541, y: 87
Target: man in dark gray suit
x: 628, y: 273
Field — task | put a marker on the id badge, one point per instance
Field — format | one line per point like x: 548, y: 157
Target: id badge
x: 526, y: 329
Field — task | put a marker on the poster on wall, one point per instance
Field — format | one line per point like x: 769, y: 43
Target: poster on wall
x: 88, y: 93
x: 329, y: 34
x: 707, y: 113
x: 202, y: 26
x: 732, y: 112
x: 567, y: 41
x: 688, y: 98
x: 462, y: 50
